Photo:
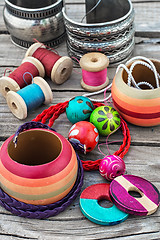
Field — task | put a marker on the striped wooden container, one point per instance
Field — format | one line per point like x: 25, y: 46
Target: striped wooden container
x: 139, y: 107
x: 42, y: 169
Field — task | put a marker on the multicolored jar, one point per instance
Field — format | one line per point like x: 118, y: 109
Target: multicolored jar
x: 138, y: 106
x: 40, y: 170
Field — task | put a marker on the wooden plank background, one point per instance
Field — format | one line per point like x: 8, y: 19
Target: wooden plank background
x: 142, y: 159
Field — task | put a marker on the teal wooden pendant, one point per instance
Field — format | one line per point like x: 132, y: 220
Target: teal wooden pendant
x: 94, y: 212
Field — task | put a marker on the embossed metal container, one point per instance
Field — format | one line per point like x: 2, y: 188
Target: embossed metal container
x: 111, y: 34
x: 42, y: 20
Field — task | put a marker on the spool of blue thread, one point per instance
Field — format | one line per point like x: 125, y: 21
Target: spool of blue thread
x: 29, y: 98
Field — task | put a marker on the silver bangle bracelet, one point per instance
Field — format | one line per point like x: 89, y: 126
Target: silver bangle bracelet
x: 113, y: 37
x: 25, y: 23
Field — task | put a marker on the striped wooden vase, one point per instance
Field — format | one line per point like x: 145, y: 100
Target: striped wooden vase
x: 138, y: 106
x: 42, y: 169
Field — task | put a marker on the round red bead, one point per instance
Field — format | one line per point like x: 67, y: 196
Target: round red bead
x: 85, y: 133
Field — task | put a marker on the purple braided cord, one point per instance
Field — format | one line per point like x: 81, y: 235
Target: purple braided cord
x: 30, y: 125
x: 42, y: 211
x: 78, y: 146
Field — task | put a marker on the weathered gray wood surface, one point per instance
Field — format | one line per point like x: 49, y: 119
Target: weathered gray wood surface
x: 142, y: 159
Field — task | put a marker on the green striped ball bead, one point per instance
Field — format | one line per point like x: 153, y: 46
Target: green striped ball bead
x: 106, y: 119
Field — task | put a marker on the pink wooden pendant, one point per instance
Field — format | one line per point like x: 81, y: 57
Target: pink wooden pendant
x: 145, y: 205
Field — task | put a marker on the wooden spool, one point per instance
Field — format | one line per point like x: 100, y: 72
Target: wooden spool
x: 17, y: 104
x: 94, y: 62
x: 139, y: 107
x: 8, y: 84
x: 61, y: 70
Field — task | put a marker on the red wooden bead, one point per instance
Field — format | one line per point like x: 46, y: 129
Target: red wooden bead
x: 85, y: 133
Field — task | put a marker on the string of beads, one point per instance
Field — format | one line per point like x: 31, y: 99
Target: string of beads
x: 53, y: 112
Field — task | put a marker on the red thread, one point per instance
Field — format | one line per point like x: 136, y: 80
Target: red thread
x: 7, y: 69
x: 47, y: 47
x: 94, y: 78
x: 47, y: 58
x: 53, y: 112
x: 18, y: 73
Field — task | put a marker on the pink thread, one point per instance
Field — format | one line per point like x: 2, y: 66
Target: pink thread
x: 94, y: 78
x: 75, y: 59
x: 107, y: 143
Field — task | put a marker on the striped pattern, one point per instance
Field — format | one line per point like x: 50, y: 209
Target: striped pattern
x: 40, y: 191
x: 139, y: 107
x: 21, y: 181
x: 145, y: 205
x: 37, y: 171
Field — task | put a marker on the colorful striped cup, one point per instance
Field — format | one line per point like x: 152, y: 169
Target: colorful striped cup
x: 42, y: 169
x: 138, y: 106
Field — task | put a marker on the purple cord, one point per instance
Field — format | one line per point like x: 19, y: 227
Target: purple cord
x: 30, y: 125
x: 78, y: 147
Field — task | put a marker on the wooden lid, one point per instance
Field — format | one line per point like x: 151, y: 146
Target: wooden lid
x: 45, y: 88
x: 8, y: 84
x: 94, y: 62
x: 36, y: 63
x: 61, y: 70
x: 33, y: 48
x: 16, y: 104
x: 93, y: 88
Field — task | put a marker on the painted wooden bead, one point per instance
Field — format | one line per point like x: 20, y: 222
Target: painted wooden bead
x: 85, y: 133
x: 106, y: 119
x: 111, y: 166
x: 145, y: 205
x: 79, y: 109
x: 94, y: 212
x: 139, y: 107
x: 42, y: 169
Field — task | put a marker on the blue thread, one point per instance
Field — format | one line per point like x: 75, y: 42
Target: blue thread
x: 32, y: 95
x: 24, y: 78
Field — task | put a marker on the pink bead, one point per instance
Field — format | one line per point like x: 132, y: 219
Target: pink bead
x: 111, y: 166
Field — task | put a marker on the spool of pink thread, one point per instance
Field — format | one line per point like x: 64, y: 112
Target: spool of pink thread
x: 94, y: 71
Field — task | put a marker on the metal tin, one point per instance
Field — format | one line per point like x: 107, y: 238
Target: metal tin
x: 115, y: 38
x: 26, y: 24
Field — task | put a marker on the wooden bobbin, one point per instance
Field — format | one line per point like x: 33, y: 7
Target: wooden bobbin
x: 18, y: 106
x: 37, y: 63
x: 61, y: 70
x: 94, y: 62
x: 8, y: 84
